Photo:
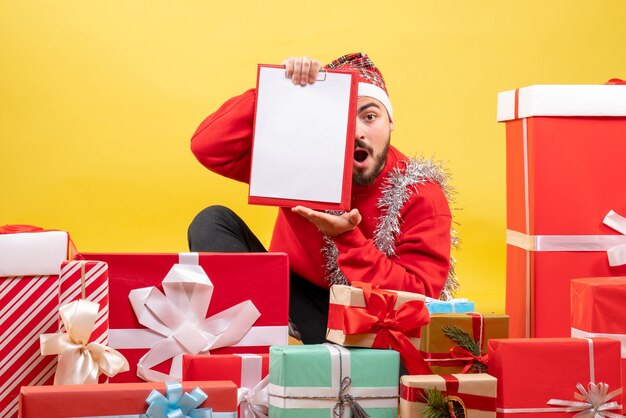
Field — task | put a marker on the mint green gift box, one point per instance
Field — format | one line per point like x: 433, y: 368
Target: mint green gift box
x: 306, y: 381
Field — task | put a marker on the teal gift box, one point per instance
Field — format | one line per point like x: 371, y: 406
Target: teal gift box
x: 460, y: 305
x: 327, y: 380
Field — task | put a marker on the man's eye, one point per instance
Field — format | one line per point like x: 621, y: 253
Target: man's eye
x: 370, y: 116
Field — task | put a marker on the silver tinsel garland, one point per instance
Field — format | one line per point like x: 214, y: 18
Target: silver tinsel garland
x: 397, y: 189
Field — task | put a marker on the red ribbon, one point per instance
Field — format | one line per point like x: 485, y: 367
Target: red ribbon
x: 16, y: 229
x: 390, y: 325
x: 468, y: 357
x: 615, y: 81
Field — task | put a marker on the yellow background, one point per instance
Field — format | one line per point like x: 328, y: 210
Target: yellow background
x: 98, y: 100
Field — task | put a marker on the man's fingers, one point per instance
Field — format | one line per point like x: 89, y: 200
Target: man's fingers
x: 297, y: 71
x: 314, y: 71
x: 288, y: 63
x: 302, y: 70
x: 306, y: 67
x: 354, y: 217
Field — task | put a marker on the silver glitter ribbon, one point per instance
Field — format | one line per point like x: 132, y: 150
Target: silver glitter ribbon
x: 592, y: 402
x: 397, y: 189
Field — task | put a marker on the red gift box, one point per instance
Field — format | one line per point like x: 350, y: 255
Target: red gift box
x: 29, y: 300
x: 247, y: 371
x: 258, y: 277
x: 598, y: 310
x: 564, y: 175
x: 120, y: 399
x: 533, y: 372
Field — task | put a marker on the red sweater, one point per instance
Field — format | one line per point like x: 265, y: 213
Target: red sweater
x: 421, y: 263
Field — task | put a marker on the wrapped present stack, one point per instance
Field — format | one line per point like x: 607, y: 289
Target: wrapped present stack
x: 205, y: 334
x: 564, y: 148
x: 30, y: 260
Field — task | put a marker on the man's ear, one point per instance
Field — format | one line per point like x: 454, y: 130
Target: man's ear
x: 391, y: 126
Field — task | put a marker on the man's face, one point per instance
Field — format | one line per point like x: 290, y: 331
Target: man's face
x: 371, y: 142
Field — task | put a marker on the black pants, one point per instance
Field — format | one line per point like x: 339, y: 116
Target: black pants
x: 219, y: 229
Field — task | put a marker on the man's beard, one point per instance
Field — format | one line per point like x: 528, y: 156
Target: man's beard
x: 363, y: 178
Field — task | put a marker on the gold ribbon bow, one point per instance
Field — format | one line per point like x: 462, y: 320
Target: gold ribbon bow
x: 591, y: 403
x: 79, y: 361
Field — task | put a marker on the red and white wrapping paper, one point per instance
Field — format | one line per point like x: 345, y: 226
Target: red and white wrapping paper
x: 248, y: 371
x: 89, y: 280
x: 598, y: 311
x: 565, y: 185
x: 540, y: 377
x: 29, y: 298
x: 150, y: 341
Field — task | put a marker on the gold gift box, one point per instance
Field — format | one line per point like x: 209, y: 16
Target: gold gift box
x: 435, y: 345
x: 476, y: 394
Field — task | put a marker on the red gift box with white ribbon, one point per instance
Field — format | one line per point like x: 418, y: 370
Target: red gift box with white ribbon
x: 248, y: 371
x: 598, y: 310
x: 556, y: 377
x: 564, y: 156
x: 165, y: 305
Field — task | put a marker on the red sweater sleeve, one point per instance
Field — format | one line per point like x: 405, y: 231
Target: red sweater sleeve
x: 223, y: 141
x: 422, y: 255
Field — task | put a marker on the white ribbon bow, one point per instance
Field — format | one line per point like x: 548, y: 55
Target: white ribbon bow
x: 254, y: 403
x: 592, y: 403
x: 617, y: 254
x: 180, y: 317
x: 80, y: 362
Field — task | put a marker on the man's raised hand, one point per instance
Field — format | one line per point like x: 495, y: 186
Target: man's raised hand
x: 302, y: 70
x: 327, y: 224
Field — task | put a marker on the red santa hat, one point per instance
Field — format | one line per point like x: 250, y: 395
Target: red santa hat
x: 371, y: 81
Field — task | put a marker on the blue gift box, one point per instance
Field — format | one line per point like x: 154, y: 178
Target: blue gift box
x: 460, y: 305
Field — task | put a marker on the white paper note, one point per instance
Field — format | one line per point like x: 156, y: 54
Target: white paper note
x: 300, y: 137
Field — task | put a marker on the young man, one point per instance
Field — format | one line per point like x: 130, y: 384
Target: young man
x: 396, y: 236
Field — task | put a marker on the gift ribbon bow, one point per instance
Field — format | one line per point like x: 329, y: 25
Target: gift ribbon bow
x: 617, y: 254
x: 177, y: 404
x: 79, y: 361
x: 179, y: 316
x: 591, y: 403
x: 390, y: 325
x: 467, y: 356
x: 254, y: 402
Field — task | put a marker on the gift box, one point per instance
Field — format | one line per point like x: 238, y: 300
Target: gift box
x: 360, y: 316
x: 473, y: 394
x: 247, y: 371
x: 128, y: 399
x: 458, y: 305
x: 564, y: 175
x: 546, y: 376
x: 29, y: 302
x: 316, y: 381
x: 598, y: 310
x: 246, y: 295
x: 444, y: 355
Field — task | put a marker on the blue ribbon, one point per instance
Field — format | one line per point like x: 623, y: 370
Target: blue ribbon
x: 176, y: 404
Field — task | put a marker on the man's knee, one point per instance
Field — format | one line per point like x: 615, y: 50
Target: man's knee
x: 206, y: 223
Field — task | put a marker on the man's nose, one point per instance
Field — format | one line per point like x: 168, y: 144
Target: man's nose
x: 359, y: 132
